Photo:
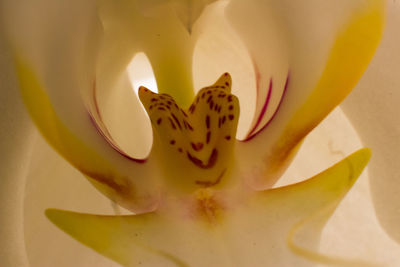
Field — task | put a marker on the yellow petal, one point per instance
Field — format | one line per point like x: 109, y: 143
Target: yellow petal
x: 17, y: 136
x: 373, y: 110
x: 250, y: 233
x: 96, y: 160
x: 124, y: 239
x: 144, y: 240
x: 348, y: 59
x: 350, y: 53
x: 289, y: 219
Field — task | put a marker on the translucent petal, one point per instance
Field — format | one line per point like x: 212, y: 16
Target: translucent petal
x: 76, y: 65
x: 188, y: 12
x: 145, y: 240
x: 373, y: 109
x: 129, y: 24
x: 64, y: 118
x: 53, y: 182
x: 294, y: 215
x: 17, y: 136
x: 56, y: 65
x: 314, y: 82
x: 96, y: 159
x: 258, y: 231
x: 120, y: 112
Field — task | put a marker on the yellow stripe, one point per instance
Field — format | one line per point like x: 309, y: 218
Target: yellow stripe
x: 348, y: 59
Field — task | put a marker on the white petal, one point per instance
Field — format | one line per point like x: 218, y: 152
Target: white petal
x: 373, y: 108
x: 56, y: 68
x: 17, y: 135
x: 312, y: 79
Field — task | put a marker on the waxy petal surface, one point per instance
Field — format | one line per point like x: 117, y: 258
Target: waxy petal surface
x: 17, y: 135
x: 260, y: 230
x: 97, y: 160
x: 152, y: 27
x: 62, y: 72
x: 373, y: 110
x: 308, y: 97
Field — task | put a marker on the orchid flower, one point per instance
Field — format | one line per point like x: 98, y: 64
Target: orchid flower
x: 205, y: 194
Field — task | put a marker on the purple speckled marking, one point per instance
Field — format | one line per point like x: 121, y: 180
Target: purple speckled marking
x: 210, y: 163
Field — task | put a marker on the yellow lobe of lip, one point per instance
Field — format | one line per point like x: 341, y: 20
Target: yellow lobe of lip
x: 194, y: 145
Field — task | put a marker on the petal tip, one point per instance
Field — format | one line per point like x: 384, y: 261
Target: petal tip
x: 54, y: 215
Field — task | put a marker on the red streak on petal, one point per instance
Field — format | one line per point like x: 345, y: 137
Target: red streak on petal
x: 263, y: 110
x: 250, y: 137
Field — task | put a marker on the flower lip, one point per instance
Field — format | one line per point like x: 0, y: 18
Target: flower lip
x: 198, y: 141
x: 211, y: 183
x: 210, y: 163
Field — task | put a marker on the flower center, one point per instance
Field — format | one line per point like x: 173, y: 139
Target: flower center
x: 194, y: 145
